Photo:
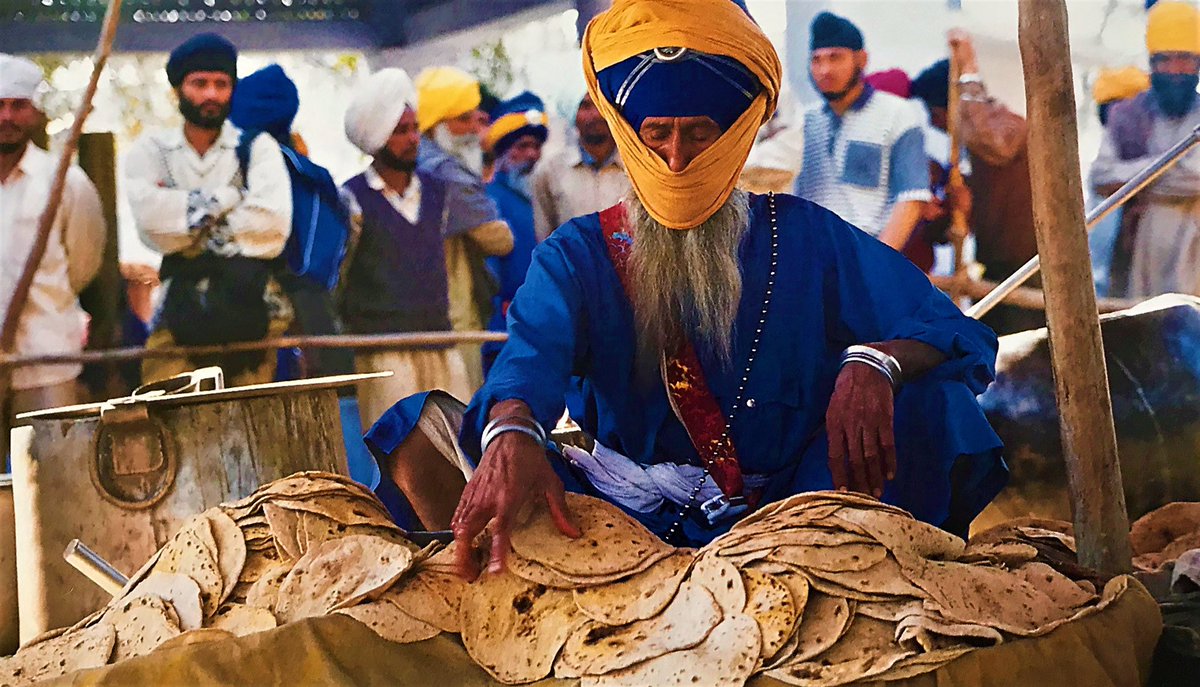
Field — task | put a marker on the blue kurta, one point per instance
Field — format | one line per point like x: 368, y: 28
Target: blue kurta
x: 571, y: 327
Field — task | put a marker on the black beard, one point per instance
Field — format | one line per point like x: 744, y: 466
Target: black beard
x: 10, y: 148
x: 594, y: 139
x: 195, y: 116
x: 387, y: 159
x: 838, y: 95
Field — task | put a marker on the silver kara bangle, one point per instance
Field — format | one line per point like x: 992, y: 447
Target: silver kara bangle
x: 885, y: 364
x: 497, y: 427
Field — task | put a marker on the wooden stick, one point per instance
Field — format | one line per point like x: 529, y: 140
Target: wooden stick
x: 959, y: 227
x: 363, y: 342
x: 1076, y: 350
x: 1028, y: 298
x: 16, y: 306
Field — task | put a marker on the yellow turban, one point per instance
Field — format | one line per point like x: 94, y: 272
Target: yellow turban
x: 444, y: 93
x: 682, y: 200
x: 1173, y: 27
x: 1119, y: 84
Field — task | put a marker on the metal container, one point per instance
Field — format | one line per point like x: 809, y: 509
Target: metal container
x: 8, y: 569
x: 123, y: 476
x: 1152, y: 353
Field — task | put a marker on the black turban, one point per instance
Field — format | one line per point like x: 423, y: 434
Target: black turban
x: 204, y: 52
x: 933, y: 84
x: 831, y: 31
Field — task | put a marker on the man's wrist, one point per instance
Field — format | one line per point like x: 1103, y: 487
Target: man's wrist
x: 882, y: 362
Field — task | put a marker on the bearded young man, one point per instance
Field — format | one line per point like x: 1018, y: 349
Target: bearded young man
x: 395, y: 274
x: 52, y: 320
x: 218, y: 226
x: 515, y: 139
x: 451, y: 125
x: 864, y: 149
x: 728, y: 350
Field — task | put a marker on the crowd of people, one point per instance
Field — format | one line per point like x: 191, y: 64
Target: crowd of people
x: 438, y: 232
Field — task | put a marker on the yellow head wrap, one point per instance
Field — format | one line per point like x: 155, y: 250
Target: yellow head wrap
x: 1173, y: 27
x: 1118, y: 84
x: 444, y: 93
x: 512, y: 122
x: 682, y: 200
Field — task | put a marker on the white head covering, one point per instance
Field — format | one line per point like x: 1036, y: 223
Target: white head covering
x: 376, y: 108
x: 19, y: 78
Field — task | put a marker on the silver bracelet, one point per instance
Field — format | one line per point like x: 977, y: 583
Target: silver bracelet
x: 530, y: 422
x: 885, y: 364
x: 505, y: 429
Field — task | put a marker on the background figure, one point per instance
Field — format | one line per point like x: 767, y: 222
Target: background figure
x: 218, y: 221
x: 1161, y: 233
x: 864, y: 150
x: 583, y: 178
x: 778, y: 150
x: 396, y: 275
x: 1111, y: 87
x: 515, y: 140
x: 1000, y: 199
x: 266, y: 102
x: 52, y: 320
x: 451, y: 125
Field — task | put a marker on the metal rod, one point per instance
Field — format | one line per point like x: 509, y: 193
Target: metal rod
x: 94, y: 568
x: 363, y: 342
x: 1122, y: 195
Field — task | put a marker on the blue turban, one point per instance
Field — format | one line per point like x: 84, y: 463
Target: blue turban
x: 204, y: 52
x: 266, y: 100
x: 831, y: 31
x: 673, y: 82
x: 523, y: 115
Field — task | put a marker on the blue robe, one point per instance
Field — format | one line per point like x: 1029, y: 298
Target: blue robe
x: 571, y: 328
x: 516, y: 209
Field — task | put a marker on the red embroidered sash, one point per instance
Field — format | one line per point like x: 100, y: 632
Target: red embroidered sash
x: 691, y: 398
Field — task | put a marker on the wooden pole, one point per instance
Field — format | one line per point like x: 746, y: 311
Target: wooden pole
x: 958, y: 219
x: 104, y: 298
x: 12, y: 316
x: 1023, y: 297
x: 1076, y: 350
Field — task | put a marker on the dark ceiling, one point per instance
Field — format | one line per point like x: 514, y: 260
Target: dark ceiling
x: 159, y: 25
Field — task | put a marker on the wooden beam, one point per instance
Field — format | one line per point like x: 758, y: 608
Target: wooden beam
x: 1076, y: 350
x: 1022, y: 297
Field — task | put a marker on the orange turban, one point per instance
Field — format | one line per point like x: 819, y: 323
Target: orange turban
x: 683, y: 200
x: 1119, y: 84
x: 1173, y: 27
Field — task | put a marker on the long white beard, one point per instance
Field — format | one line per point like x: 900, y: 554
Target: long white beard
x: 465, y: 147
x: 687, y: 284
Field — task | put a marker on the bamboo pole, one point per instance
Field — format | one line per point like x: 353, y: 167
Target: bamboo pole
x: 1076, y: 350
x: 16, y: 306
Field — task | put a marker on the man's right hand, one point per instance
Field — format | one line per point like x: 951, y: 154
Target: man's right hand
x: 514, y: 472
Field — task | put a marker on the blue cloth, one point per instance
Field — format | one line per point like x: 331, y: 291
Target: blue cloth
x: 696, y: 84
x: 571, y: 326
x: 267, y: 100
x: 516, y: 208
x: 204, y: 52
x: 831, y: 31
x: 520, y: 104
x: 466, y: 196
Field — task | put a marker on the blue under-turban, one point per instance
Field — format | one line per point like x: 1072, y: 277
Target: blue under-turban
x: 519, y: 116
x: 674, y: 82
x: 266, y: 100
x: 204, y: 52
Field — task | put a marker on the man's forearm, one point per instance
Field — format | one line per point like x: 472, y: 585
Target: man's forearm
x: 915, y: 358
x: 901, y: 224
x: 511, y: 407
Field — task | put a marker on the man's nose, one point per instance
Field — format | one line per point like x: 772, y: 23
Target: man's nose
x: 677, y: 155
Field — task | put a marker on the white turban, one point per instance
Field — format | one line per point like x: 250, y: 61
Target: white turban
x: 19, y: 78
x: 376, y: 108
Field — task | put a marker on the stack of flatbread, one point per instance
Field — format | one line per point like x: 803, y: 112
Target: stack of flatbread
x: 1163, y: 535
x: 822, y: 589
x: 311, y: 544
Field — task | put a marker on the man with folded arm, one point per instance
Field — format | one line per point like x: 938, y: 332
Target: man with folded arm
x: 728, y: 350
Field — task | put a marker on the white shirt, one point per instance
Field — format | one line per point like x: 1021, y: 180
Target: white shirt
x: 566, y: 186
x: 162, y: 170
x: 52, y: 321
x: 408, y: 204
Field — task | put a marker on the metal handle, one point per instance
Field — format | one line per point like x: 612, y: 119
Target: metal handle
x: 204, y: 379
x: 1122, y: 195
x: 95, y: 568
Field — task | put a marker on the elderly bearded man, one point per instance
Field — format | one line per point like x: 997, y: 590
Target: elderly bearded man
x: 787, y: 367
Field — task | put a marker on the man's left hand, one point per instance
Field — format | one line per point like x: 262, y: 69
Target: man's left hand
x: 862, y: 444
